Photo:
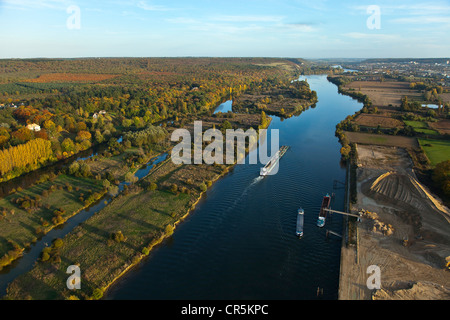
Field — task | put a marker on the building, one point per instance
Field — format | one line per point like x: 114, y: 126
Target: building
x: 34, y: 127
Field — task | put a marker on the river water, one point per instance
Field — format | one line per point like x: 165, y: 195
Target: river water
x: 240, y: 241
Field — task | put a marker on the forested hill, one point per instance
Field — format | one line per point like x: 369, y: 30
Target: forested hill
x: 76, y: 103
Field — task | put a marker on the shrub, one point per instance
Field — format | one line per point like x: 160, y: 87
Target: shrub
x: 203, y: 187
x: 118, y: 236
x: 97, y: 294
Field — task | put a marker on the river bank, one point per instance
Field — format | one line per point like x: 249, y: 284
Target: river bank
x: 244, y: 200
x: 146, y: 213
x: 240, y: 242
x: 404, y: 231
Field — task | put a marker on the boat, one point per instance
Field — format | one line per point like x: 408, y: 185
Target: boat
x: 273, y: 161
x: 300, y: 216
x: 323, y: 213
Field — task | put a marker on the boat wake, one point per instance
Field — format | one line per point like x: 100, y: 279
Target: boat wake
x: 245, y: 192
x: 256, y: 180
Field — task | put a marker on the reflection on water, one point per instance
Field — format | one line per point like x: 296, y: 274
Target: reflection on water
x: 225, y: 107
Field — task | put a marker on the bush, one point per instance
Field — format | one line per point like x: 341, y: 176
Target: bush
x: 118, y: 236
x: 169, y: 230
x: 58, y: 243
x: 203, y: 187
x: 97, y: 294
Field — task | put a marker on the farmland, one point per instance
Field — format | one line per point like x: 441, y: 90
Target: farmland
x: 384, y: 93
x: 441, y: 126
x: 421, y: 127
x: 436, y: 150
x: 30, y: 213
x: 374, y: 120
x: 71, y: 77
x: 382, y: 139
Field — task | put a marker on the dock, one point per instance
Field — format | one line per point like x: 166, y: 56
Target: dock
x: 343, y: 213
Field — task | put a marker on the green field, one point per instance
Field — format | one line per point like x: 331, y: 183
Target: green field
x: 20, y: 225
x: 436, y: 150
x: 142, y: 217
x: 421, y: 127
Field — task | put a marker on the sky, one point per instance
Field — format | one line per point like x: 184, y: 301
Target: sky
x: 311, y: 29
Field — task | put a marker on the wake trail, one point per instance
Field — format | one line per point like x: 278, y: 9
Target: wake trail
x: 244, y: 193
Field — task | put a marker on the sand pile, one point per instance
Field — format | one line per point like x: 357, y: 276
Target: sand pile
x: 377, y: 226
x: 421, y: 290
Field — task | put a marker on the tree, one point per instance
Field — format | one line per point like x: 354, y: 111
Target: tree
x: 99, y: 137
x: 34, y: 152
x: 118, y: 236
x: 67, y: 145
x: 83, y: 135
x: 226, y: 125
x: 441, y: 176
x: 97, y: 294
x: 174, y: 188
x: 130, y: 177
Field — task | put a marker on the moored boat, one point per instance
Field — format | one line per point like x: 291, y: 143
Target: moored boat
x: 323, y: 213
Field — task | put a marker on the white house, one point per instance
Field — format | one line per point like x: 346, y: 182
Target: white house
x: 34, y: 127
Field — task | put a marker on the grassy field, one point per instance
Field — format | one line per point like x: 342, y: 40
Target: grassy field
x: 381, y: 139
x: 21, y: 225
x: 141, y: 217
x: 421, y: 127
x: 436, y: 150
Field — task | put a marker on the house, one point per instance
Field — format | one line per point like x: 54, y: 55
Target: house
x: 102, y: 112
x: 34, y: 127
x: 95, y: 115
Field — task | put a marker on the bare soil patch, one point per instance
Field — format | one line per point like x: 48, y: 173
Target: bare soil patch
x: 374, y: 120
x: 442, y: 126
x: 412, y: 259
x: 71, y: 77
x: 384, y: 93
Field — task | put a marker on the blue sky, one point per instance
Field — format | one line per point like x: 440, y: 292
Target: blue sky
x: 262, y: 28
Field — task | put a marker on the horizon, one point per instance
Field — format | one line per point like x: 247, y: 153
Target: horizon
x: 281, y: 29
x: 225, y: 57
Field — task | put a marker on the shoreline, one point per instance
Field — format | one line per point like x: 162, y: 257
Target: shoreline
x: 164, y: 237
x: 161, y: 239
x: 137, y: 258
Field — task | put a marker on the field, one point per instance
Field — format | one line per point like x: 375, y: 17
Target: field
x: 381, y: 139
x: 140, y: 216
x: 71, y: 77
x: 385, y: 93
x: 436, y: 150
x: 421, y: 127
x: 20, y: 225
x: 143, y: 216
x: 374, y: 120
x: 441, y: 126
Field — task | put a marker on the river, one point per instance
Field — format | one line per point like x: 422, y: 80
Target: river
x: 240, y: 242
